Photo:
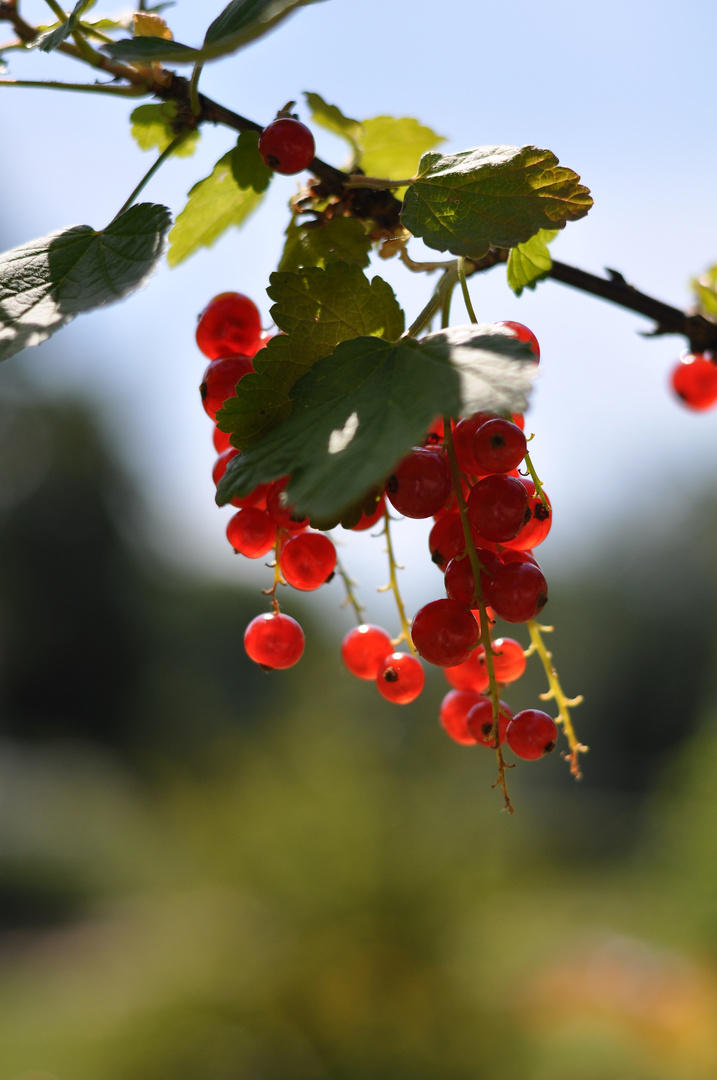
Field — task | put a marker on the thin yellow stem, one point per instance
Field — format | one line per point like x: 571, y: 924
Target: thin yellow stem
x: 556, y: 693
x: 405, y: 634
x: 350, y: 595
x: 534, y: 477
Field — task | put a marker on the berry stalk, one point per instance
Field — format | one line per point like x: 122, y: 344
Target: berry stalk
x: 405, y: 634
x: 350, y: 595
x: 557, y: 694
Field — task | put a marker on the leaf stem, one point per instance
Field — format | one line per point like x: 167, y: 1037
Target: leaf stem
x: 349, y: 585
x: 87, y: 88
x: 405, y: 634
x: 358, y: 180
x: 557, y: 694
x: 55, y: 7
x: 150, y: 173
x: 485, y: 636
x: 445, y: 286
x: 461, y: 266
x: 193, y: 90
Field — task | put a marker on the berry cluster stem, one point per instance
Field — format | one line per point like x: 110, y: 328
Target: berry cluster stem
x: 461, y: 268
x: 349, y: 585
x: 557, y: 694
x: 405, y: 634
x: 444, y: 288
x: 534, y: 477
x: 484, y: 620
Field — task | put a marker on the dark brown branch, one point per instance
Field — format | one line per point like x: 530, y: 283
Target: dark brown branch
x: 9, y: 13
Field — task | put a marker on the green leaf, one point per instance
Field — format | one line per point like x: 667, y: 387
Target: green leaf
x: 705, y: 290
x: 492, y: 195
x: 317, y: 309
x: 50, y: 40
x: 528, y: 263
x: 220, y: 200
x: 154, y: 127
x: 241, y: 22
x: 331, y: 118
x: 45, y: 283
x: 340, y: 239
x: 393, y: 147
x: 359, y: 410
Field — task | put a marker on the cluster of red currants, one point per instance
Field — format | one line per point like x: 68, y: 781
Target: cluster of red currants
x: 694, y: 380
x: 488, y: 518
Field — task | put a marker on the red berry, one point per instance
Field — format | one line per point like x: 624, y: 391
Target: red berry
x: 444, y: 633
x: 531, y: 734
x: 694, y: 379
x: 459, y: 580
x: 251, y: 532
x: 454, y: 710
x: 287, y: 146
x: 364, y: 648
x: 479, y: 721
x: 220, y: 381
x: 229, y: 325
x: 274, y: 641
x: 220, y: 465
x: 472, y: 674
x: 446, y: 539
x: 517, y: 591
x: 524, y: 334
x: 538, y: 526
x: 367, y: 521
x: 498, y: 507
x: 308, y: 560
x: 463, y: 435
x: 498, y: 446
x: 221, y: 440
x: 280, y: 509
x: 421, y: 484
x: 508, y: 660
x: 400, y: 678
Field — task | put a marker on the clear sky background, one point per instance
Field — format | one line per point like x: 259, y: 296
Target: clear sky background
x: 622, y: 92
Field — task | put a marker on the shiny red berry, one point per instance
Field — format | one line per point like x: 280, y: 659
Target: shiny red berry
x: 498, y: 507
x: 459, y: 580
x: 463, y: 435
x: 531, y: 734
x: 446, y: 539
x: 400, y: 678
x: 524, y: 334
x: 479, y: 721
x: 444, y: 633
x: 538, y: 525
x: 308, y: 560
x: 221, y: 440
x: 364, y: 648
x: 472, y: 674
x: 220, y: 381
x: 251, y: 532
x: 420, y: 485
x: 453, y: 714
x: 517, y: 591
x: 229, y: 325
x: 508, y: 660
x: 274, y: 641
x: 694, y: 380
x: 287, y: 146
x: 498, y: 446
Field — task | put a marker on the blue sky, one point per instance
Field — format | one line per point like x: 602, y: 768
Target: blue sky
x: 621, y: 92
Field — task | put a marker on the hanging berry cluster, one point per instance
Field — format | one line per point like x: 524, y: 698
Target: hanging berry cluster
x: 474, y: 477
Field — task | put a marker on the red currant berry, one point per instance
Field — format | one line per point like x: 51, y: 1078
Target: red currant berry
x: 531, y: 734
x: 251, y: 532
x: 498, y: 507
x: 287, y: 146
x: 472, y: 674
x: 459, y: 580
x: 421, y: 484
x: 435, y: 433
x: 220, y: 465
x: 479, y: 721
x: 220, y: 381
x: 229, y: 325
x: 453, y: 713
x: 308, y: 560
x: 221, y: 440
x: 444, y: 633
x: 274, y: 641
x: 498, y: 446
x: 446, y: 539
x: 508, y: 660
x: 367, y: 521
x: 363, y: 650
x: 517, y: 591
x: 538, y: 526
x: 694, y: 379
x: 280, y: 509
x: 400, y: 678
x: 524, y: 334
x: 463, y: 435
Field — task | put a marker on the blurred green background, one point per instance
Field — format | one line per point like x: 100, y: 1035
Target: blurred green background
x: 208, y: 871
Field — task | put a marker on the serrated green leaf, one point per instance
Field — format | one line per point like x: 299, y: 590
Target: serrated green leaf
x: 705, y: 290
x: 219, y: 201
x: 393, y: 146
x: 331, y: 118
x: 241, y: 22
x: 46, y: 283
x: 340, y: 239
x: 49, y: 41
x: 528, y: 263
x: 360, y: 409
x: 154, y: 127
x: 492, y: 195
x: 316, y: 309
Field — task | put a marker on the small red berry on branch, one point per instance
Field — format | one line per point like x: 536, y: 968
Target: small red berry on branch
x: 694, y: 380
x: 400, y: 678
x: 230, y: 324
x: 274, y: 640
x: 287, y: 146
